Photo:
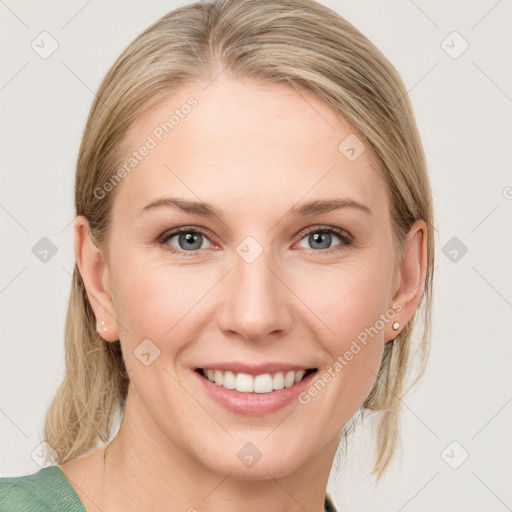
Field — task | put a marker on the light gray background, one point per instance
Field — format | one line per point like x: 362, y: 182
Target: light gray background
x: 463, y: 108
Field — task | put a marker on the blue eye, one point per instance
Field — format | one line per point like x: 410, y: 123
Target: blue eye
x: 321, y: 238
x: 188, y: 240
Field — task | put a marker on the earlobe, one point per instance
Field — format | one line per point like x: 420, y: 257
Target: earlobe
x: 412, y: 272
x: 95, y: 274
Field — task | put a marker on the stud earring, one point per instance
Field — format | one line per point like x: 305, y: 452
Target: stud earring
x: 103, y: 325
x: 396, y: 326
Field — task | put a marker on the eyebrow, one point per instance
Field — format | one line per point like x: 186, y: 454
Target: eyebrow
x: 207, y: 210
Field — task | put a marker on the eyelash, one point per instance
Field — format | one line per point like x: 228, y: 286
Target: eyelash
x: 345, y: 238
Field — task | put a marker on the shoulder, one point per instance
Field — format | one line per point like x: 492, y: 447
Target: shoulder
x: 46, y: 490
x: 19, y: 493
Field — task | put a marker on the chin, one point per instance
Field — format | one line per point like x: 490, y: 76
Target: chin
x: 257, y: 455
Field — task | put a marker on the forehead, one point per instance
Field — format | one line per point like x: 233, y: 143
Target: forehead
x: 245, y: 145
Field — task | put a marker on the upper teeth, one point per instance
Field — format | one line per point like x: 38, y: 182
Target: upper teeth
x: 246, y: 383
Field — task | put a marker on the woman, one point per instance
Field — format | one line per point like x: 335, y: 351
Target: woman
x: 253, y: 241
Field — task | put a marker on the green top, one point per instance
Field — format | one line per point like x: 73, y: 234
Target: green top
x: 49, y: 490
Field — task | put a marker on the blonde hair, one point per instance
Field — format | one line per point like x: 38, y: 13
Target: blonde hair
x: 300, y: 43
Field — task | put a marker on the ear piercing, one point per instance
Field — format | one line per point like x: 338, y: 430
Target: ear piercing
x: 396, y: 326
x: 104, y: 327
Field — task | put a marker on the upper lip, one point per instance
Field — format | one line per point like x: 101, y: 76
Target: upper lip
x: 254, y: 369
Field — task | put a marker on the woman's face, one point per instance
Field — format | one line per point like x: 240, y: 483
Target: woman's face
x: 264, y: 281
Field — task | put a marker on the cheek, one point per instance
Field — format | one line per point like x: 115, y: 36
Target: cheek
x: 348, y: 301
x: 346, y: 298
x: 156, y: 300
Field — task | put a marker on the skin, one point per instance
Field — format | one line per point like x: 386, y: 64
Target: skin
x: 253, y: 151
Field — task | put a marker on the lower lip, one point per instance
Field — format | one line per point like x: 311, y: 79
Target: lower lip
x: 254, y: 404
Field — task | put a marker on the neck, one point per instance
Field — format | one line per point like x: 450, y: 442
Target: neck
x: 145, y: 471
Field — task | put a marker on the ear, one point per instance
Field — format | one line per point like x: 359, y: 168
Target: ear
x: 95, y: 274
x: 410, y: 278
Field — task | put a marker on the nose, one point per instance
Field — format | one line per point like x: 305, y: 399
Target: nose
x: 255, y: 304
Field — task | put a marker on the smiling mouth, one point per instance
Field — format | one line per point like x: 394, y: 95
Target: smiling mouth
x: 245, y: 383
